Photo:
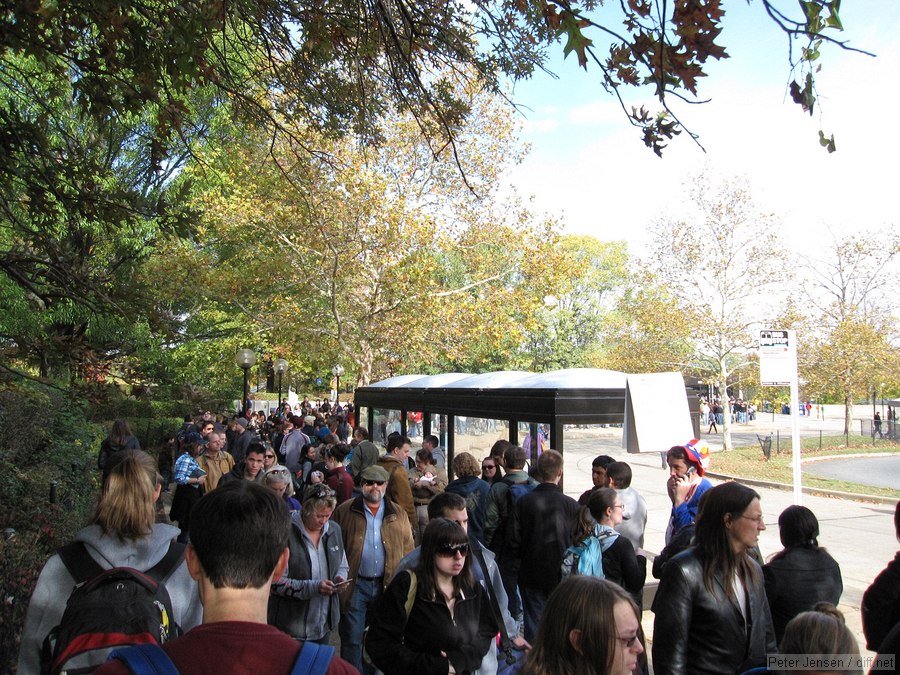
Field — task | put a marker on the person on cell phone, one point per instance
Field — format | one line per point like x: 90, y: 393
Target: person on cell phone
x: 304, y: 602
x: 686, y: 484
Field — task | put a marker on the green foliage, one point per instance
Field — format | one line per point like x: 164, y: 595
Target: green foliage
x: 44, y: 439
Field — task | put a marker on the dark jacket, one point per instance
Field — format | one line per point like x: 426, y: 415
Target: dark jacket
x: 401, y: 645
x: 475, y: 492
x: 624, y: 567
x: 290, y: 613
x: 881, y: 604
x: 108, y: 449
x: 798, y: 580
x: 701, y: 632
x: 542, y: 524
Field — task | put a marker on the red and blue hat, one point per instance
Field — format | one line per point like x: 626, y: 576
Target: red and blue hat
x: 698, y: 455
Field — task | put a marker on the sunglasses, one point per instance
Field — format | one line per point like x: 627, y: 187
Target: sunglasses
x: 321, y: 491
x: 373, y: 482
x: 270, y: 456
x: 450, y: 550
x: 488, y: 467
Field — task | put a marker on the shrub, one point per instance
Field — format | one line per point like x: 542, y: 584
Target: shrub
x: 45, y: 439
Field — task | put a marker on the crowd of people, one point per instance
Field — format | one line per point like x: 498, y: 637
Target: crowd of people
x: 303, y: 524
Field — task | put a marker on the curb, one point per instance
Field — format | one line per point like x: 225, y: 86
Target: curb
x: 819, y: 492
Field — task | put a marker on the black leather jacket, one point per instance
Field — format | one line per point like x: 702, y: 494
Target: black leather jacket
x: 799, y: 579
x: 699, y: 632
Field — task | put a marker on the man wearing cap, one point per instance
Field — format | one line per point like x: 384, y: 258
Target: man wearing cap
x: 686, y: 484
x: 376, y: 534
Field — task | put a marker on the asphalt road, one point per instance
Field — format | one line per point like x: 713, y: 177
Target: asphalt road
x: 877, y: 471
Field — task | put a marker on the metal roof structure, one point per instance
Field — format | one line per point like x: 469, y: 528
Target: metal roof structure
x: 557, y: 398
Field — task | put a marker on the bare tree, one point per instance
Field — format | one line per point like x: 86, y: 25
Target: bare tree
x: 720, y: 263
x: 849, y: 291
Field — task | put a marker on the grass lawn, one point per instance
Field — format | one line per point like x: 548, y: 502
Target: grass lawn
x: 749, y: 462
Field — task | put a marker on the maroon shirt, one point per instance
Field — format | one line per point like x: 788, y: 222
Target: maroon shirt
x: 237, y: 647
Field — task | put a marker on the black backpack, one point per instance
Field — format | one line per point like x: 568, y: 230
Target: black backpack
x: 110, y: 608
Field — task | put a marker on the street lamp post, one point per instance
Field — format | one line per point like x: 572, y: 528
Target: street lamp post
x: 337, y: 371
x: 245, y: 359
x: 281, y: 366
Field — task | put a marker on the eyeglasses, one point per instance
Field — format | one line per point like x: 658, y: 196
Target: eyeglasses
x: 629, y: 642
x: 619, y: 506
x: 450, y: 550
x: 373, y: 482
x: 758, y: 520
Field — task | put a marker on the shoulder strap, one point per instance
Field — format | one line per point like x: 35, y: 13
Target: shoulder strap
x: 411, y: 594
x: 79, y: 562
x: 147, y: 659
x: 173, y: 557
x: 505, y: 643
x: 313, y: 659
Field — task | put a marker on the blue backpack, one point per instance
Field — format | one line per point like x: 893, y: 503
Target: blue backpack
x: 150, y: 659
x: 586, y: 557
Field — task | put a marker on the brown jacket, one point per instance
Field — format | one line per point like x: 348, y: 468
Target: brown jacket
x: 398, y: 488
x: 396, y: 537
x: 215, y: 469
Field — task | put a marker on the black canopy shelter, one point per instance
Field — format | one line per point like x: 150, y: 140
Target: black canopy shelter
x: 577, y: 396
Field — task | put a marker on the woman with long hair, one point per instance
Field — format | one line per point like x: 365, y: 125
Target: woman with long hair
x: 120, y: 438
x: 589, y: 626
x: 711, y: 609
x: 436, y: 619
x: 304, y: 602
x: 802, y: 573
x: 122, y: 532
x: 621, y: 564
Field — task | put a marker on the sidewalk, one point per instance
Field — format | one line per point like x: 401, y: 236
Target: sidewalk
x: 860, y: 536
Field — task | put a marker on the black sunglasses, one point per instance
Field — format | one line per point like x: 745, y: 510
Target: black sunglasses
x: 450, y: 550
x: 373, y: 482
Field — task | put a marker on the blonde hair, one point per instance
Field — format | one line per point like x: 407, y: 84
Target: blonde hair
x: 125, y: 508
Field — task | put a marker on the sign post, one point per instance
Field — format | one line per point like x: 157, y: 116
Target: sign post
x: 778, y: 368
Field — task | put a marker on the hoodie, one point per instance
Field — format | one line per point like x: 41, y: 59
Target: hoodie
x: 55, y: 584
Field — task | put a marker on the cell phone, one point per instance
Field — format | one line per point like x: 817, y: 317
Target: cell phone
x: 342, y: 583
x: 691, y: 471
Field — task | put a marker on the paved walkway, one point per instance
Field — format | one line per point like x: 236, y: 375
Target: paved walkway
x: 859, y: 535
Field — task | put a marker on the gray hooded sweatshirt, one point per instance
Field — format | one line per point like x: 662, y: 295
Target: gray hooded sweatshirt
x: 55, y: 585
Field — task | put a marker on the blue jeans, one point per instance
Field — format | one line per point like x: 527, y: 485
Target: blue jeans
x: 533, y: 600
x: 353, y: 622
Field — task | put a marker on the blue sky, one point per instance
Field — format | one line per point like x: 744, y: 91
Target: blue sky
x: 589, y: 168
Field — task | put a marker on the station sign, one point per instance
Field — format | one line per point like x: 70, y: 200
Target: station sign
x: 777, y: 358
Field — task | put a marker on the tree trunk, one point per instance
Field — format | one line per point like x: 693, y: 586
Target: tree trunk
x: 847, y: 415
